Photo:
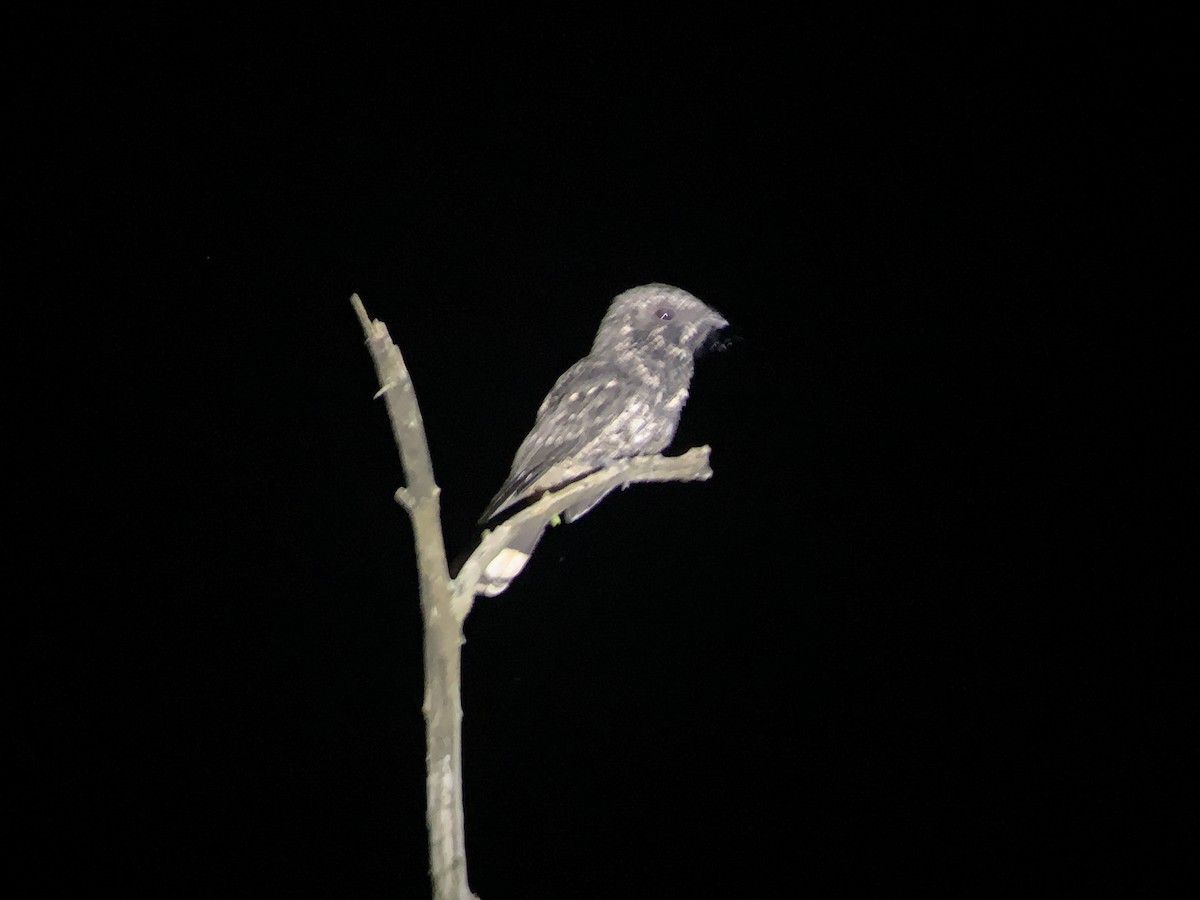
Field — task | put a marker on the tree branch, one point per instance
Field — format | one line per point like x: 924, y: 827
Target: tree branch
x: 690, y: 466
x: 445, y: 602
x: 443, y: 629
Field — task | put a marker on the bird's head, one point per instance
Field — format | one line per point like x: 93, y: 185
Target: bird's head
x: 657, y: 315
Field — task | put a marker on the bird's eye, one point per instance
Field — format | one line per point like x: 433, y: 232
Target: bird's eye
x: 664, y: 314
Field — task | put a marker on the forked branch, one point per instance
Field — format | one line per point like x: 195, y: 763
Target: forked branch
x: 445, y: 602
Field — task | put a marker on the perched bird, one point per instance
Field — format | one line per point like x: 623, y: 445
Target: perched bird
x: 623, y: 399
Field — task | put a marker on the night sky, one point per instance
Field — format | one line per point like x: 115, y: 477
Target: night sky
x: 911, y: 636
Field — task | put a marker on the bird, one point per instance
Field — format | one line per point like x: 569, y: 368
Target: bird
x: 623, y: 399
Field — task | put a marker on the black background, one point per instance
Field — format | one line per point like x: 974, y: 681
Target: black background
x: 913, y: 634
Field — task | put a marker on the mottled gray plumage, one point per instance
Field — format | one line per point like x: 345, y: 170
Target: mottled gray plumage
x: 623, y: 399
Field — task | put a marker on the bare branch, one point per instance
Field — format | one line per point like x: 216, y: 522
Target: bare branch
x: 445, y: 602
x: 443, y: 629
x: 690, y: 466
x: 420, y: 495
